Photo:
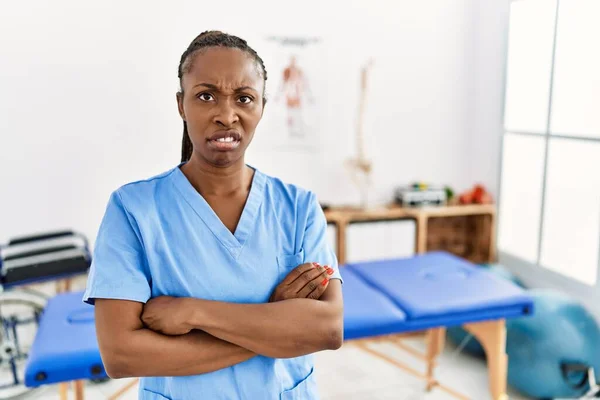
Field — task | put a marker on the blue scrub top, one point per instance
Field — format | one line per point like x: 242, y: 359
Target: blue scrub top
x: 160, y: 237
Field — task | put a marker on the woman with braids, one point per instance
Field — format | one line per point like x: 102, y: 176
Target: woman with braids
x: 213, y: 280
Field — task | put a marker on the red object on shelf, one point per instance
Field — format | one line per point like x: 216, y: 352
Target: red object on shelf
x: 477, y: 195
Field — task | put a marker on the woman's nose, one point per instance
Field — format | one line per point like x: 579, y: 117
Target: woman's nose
x: 226, y: 114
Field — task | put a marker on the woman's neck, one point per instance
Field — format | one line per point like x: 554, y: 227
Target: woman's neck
x: 209, y: 180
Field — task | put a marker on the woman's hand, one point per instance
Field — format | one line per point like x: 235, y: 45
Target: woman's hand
x: 168, y: 315
x: 307, y: 281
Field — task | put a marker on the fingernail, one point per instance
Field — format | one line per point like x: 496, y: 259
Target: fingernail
x: 315, y: 264
x: 324, y: 282
x: 329, y: 271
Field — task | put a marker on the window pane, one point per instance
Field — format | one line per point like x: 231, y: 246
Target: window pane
x: 530, y: 42
x: 571, y: 231
x: 576, y: 87
x: 521, y: 195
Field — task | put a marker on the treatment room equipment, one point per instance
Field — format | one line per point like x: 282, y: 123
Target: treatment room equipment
x: 382, y: 299
x: 24, y: 262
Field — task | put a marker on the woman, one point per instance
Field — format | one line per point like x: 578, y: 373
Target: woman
x: 214, y: 280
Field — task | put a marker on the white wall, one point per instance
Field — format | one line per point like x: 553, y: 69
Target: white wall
x: 487, y: 117
x: 88, y: 97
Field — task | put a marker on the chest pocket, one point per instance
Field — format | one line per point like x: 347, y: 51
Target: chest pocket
x: 291, y: 260
x: 287, y: 262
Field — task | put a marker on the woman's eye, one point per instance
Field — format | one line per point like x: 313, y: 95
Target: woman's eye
x: 205, y: 96
x: 245, y: 99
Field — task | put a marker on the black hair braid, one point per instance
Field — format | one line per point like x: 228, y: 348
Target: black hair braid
x: 205, y: 40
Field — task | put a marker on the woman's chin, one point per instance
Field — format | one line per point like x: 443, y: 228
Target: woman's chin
x: 224, y: 159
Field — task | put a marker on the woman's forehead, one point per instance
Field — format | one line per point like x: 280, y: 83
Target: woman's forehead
x: 225, y: 68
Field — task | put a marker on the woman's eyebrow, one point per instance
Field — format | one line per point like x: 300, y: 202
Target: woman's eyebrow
x: 241, y: 89
x: 208, y: 85
x: 214, y: 87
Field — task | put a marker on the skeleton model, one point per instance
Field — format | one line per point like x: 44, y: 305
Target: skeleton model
x: 359, y: 167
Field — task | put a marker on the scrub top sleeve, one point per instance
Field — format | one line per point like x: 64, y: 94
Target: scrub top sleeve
x: 118, y: 269
x: 316, y: 243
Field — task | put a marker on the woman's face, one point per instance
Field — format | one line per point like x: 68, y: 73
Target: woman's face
x: 222, y: 103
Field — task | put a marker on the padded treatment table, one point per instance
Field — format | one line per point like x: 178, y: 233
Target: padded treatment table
x: 382, y: 300
x: 431, y: 292
x: 65, y: 347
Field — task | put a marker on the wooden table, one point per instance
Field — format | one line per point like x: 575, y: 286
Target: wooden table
x: 430, y: 221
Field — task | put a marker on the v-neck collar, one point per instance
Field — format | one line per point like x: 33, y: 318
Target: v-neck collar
x: 234, y: 242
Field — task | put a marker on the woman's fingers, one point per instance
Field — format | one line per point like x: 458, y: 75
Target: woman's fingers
x: 307, y: 281
x: 316, y: 285
x: 306, y: 278
x: 296, y: 273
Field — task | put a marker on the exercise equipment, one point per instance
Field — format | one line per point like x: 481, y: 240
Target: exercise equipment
x: 553, y: 352
x: 43, y: 257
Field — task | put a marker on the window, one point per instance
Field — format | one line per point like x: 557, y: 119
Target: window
x: 529, y: 65
x: 550, y: 184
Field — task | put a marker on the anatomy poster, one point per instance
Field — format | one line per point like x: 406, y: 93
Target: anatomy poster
x: 296, y: 92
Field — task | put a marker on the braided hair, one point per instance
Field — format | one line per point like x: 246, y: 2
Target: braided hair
x: 203, y: 41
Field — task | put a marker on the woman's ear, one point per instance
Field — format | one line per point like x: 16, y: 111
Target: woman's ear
x: 180, y: 105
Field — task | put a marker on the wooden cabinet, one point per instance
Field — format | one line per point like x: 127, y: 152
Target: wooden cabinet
x: 467, y: 231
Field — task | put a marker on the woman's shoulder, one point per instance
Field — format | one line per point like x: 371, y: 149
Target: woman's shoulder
x: 291, y: 193
x: 143, y: 190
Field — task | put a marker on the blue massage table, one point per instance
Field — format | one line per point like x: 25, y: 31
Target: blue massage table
x: 65, y: 348
x: 431, y: 292
x: 382, y: 300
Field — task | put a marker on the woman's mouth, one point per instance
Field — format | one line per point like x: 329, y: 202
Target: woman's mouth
x: 224, y: 143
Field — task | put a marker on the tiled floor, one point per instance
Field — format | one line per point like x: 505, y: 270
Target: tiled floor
x: 352, y: 374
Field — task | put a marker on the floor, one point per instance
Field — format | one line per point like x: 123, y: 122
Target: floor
x: 350, y: 374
